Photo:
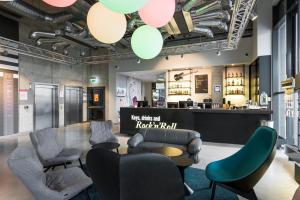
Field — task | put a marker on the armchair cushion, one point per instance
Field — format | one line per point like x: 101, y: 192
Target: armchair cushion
x: 102, y: 132
x: 66, y: 155
x: 47, y: 143
x: 195, y: 146
x: 135, y: 140
x: 68, y: 182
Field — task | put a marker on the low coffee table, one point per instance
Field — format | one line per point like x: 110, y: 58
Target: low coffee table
x: 107, y: 146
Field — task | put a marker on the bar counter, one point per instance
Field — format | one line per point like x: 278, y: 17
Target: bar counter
x: 214, y: 125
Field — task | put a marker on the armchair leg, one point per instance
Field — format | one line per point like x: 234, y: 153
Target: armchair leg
x: 80, y: 163
x: 210, y: 184
x: 65, y: 166
x: 252, y: 196
x: 213, y: 191
x: 118, y: 150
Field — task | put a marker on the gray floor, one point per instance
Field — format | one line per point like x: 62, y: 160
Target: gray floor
x: 277, y: 183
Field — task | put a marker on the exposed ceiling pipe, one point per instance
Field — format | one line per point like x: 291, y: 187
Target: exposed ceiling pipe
x: 214, y: 23
x: 27, y: 10
x: 39, y: 34
x: 166, y: 36
x: 207, y: 7
x: 224, y: 15
x: 190, y: 4
x: 57, y: 45
x: 133, y: 22
x: 204, y: 31
x: 42, y: 41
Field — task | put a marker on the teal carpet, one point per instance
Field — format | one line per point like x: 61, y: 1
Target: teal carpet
x: 195, y: 178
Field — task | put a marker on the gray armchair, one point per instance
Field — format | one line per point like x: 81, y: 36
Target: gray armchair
x: 50, y: 152
x: 56, y: 185
x: 187, y: 140
x: 102, y: 132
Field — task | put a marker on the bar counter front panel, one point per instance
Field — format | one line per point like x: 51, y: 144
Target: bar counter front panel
x: 221, y: 126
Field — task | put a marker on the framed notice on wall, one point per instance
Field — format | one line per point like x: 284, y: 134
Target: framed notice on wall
x: 201, y: 83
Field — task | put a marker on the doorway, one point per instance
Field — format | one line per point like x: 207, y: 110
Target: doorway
x: 73, y: 105
x: 45, y: 106
x: 96, y: 103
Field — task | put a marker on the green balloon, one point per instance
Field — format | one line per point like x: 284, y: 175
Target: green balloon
x: 146, y: 42
x: 124, y: 6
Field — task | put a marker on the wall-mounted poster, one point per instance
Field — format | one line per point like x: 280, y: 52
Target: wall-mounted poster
x: 201, y: 83
x: 121, y: 92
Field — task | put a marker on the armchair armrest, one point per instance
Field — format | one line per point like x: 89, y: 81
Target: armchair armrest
x: 194, y: 146
x: 135, y: 140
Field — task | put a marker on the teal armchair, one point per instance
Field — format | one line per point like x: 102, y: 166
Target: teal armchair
x: 241, y: 171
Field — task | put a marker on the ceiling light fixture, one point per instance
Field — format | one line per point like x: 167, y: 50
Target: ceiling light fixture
x: 146, y: 42
x: 158, y: 13
x: 124, y: 6
x: 105, y: 25
x: 253, y: 16
x: 219, y: 53
x: 167, y: 57
x: 138, y: 61
x: 60, y: 3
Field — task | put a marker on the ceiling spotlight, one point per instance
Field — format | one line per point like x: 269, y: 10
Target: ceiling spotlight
x: 219, y: 53
x: 253, y: 16
x: 138, y: 61
x: 167, y: 57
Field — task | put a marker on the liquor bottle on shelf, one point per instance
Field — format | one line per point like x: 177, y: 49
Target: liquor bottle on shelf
x: 236, y: 75
x: 228, y: 83
x: 232, y: 82
x: 241, y: 74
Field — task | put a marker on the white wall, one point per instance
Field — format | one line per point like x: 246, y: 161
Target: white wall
x: 201, y: 59
x: 133, y: 89
x: 262, y: 29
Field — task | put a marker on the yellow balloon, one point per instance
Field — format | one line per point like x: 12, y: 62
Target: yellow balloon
x: 105, y: 25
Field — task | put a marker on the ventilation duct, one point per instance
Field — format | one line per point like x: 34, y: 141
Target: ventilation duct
x: 27, y: 10
x: 204, y: 31
x: 223, y: 15
x: 208, y: 7
x: 214, y: 23
x: 190, y: 4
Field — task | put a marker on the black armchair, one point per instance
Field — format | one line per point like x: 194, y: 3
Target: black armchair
x: 134, y: 177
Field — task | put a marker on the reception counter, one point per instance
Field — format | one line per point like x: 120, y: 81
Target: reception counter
x: 214, y: 125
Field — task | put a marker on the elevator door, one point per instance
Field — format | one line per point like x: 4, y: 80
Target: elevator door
x: 73, y: 105
x: 45, y: 106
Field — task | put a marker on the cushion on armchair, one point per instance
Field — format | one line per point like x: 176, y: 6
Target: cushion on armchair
x: 48, y: 145
x: 178, y: 136
x: 102, y: 132
x: 135, y: 140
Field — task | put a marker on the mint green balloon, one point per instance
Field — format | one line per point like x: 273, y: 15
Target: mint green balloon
x: 124, y: 6
x: 146, y: 42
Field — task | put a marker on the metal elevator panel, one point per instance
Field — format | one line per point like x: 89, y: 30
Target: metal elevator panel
x: 73, y: 105
x: 45, y: 106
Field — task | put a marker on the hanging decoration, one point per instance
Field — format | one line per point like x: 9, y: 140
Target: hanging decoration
x: 124, y: 6
x: 105, y: 25
x: 158, y: 13
x: 146, y: 42
x: 60, y: 3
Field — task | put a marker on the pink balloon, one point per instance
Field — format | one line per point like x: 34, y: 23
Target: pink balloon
x: 157, y: 13
x: 60, y: 3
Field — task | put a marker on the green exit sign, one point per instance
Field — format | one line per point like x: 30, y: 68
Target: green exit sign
x: 93, y: 80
